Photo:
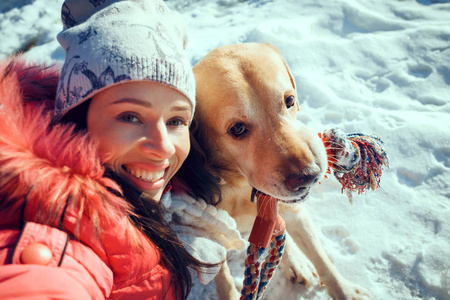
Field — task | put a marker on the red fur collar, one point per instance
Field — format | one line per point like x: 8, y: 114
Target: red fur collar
x: 47, y: 167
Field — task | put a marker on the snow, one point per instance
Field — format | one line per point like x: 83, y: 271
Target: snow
x: 378, y: 67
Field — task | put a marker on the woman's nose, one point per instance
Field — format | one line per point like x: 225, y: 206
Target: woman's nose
x: 157, y: 142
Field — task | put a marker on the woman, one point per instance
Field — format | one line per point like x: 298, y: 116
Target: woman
x: 68, y: 229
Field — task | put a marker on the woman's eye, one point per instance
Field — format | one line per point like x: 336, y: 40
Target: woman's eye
x: 290, y: 101
x: 176, y: 122
x: 238, y: 130
x: 129, y: 118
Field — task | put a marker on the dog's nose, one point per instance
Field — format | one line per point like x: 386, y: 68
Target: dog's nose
x: 297, y: 182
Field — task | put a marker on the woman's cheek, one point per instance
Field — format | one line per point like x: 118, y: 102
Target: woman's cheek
x: 112, y: 142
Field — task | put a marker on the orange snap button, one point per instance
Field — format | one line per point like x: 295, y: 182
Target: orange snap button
x: 37, y: 254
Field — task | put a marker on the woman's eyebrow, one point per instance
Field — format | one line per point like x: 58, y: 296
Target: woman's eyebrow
x: 133, y: 101
x: 148, y: 104
x: 181, y: 108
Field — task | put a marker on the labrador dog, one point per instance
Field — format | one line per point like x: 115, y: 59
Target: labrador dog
x: 246, y: 123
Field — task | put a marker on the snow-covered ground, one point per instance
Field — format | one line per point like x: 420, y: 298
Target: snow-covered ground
x: 371, y: 66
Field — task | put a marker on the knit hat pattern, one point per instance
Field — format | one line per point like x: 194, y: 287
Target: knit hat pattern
x: 111, y: 41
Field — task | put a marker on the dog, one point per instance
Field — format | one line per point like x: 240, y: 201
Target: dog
x: 246, y: 123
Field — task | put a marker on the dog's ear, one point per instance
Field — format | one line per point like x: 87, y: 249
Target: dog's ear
x: 200, y: 183
x: 290, y: 74
x: 291, y: 79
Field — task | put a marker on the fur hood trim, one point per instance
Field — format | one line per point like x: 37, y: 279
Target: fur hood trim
x: 49, y: 168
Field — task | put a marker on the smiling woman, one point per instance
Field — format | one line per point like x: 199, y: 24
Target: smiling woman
x: 143, y: 127
x: 83, y: 207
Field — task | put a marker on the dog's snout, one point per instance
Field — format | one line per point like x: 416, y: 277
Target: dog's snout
x: 297, y: 182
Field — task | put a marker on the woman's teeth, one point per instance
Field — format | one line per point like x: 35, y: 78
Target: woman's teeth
x: 146, y: 175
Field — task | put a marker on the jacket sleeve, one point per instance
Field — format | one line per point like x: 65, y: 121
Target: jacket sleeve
x: 71, y: 270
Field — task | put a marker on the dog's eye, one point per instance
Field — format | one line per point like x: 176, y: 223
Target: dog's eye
x: 237, y: 130
x: 290, y: 101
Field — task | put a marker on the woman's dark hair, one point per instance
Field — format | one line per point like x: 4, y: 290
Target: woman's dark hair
x: 78, y: 116
x: 148, y: 217
x: 194, y: 173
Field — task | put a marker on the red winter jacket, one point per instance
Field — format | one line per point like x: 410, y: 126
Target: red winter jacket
x: 63, y: 234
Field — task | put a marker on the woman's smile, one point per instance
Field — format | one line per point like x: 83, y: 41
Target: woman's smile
x: 145, y: 175
x: 146, y: 179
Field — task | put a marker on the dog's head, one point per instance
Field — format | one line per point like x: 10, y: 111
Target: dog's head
x: 246, y: 122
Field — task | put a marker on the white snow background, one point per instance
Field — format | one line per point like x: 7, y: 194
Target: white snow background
x: 378, y: 67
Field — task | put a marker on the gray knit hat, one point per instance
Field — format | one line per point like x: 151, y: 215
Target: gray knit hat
x: 111, y: 41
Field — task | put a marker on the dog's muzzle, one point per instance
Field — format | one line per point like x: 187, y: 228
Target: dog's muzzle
x: 287, y: 201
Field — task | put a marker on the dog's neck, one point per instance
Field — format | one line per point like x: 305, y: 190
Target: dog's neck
x: 240, y: 193
x: 236, y: 200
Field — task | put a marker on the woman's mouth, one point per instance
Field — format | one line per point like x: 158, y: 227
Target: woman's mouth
x: 144, y: 175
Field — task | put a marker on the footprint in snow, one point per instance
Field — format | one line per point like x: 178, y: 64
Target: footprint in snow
x: 341, y: 237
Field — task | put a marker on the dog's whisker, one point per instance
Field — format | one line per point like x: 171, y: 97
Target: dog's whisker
x: 264, y: 206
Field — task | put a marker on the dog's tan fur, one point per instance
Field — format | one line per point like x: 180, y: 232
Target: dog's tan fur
x: 250, y: 87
